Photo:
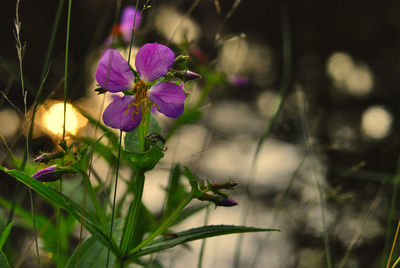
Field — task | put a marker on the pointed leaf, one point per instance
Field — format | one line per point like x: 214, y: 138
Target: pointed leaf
x: 193, y: 234
x: 5, y: 234
x: 176, y: 190
x: 64, y: 202
x: 193, y: 181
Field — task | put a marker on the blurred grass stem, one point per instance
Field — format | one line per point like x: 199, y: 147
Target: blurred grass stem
x: 284, y: 88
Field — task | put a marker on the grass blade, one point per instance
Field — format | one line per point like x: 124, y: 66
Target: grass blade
x: 194, y: 234
x: 3, y: 260
x: 5, y: 234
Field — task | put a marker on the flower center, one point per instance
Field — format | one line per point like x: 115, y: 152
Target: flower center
x: 142, y: 101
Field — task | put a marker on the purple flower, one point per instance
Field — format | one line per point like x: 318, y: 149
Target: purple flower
x: 127, y: 22
x: 115, y: 75
x: 47, y: 174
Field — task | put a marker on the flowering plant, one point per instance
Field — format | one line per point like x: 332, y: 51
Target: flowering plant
x: 121, y: 231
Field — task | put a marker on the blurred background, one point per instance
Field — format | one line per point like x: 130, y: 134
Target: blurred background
x: 330, y: 162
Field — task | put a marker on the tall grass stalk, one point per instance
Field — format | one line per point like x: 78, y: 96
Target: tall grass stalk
x: 357, y: 235
x: 20, y: 52
x: 391, y: 216
x: 284, y: 88
x: 203, y: 242
x: 388, y: 250
x: 310, y: 148
x: 393, y: 245
x: 59, y: 216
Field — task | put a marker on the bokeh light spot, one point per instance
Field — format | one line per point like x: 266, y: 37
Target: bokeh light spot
x: 376, y: 122
x: 53, y: 119
x: 11, y: 120
x: 352, y: 77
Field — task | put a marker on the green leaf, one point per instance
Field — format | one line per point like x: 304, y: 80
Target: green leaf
x: 176, y: 190
x: 193, y: 181
x: 131, y: 139
x: 64, y: 202
x: 194, y: 234
x: 143, y: 162
x: 5, y: 234
x: 3, y: 260
x: 92, y: 253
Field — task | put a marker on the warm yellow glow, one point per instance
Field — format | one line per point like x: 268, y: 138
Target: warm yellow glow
x: 53, y: 119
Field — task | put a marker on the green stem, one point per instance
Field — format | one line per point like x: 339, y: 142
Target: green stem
x: 34, y: 227
x: 66, y: 65
x: 58, y: 213
x: 203, y: 242
x: 114, y: 198
x: 59, y: 261
x: 141, y: 138
x: 131, y: 220
x: 164, y: 226
x: 96, y: 204
x: 132, y: 33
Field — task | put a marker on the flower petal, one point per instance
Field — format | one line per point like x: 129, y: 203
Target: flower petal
x: 128, y: 15
x: 153, y: 61
x: 169, y: 98
x: 113, y: 72
x: 118, y: 115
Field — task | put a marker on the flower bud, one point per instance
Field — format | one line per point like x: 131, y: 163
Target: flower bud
x: 189, y: 75
x: 185, y: 75
x: 226, y: 202
x: 218, y: 200
x: 47, y: 174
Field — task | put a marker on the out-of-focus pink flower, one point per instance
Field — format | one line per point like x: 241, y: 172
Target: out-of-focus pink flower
x: 238, y: 80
